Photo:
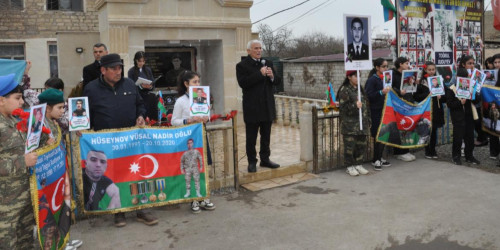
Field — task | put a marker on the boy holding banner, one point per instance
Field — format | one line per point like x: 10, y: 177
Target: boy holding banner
x: 16, y: 211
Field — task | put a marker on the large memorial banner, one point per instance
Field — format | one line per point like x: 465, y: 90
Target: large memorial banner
x: 134, y: 168
x: 439, y: 31
x: 48, y: 185
x: 404, y: 124
x: 489, y: 106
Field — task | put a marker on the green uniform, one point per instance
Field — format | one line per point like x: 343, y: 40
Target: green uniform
x: 16, y: 211
x: 189, y: 163
x: 354, y: 139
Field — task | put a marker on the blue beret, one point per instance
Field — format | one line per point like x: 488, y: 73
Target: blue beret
x: 7, y: 84
x: 51, y: 96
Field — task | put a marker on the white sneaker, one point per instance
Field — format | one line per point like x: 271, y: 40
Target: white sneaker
x: 207, y: 205
x: 405, y: 157
x: 195, y: 207
x: 412, y: 156
x: 377, y: 165
x: 188, y: 193
x: 385, y: 163
x: 361, y: 169
x: 74, y: 243
x: 352, y: 171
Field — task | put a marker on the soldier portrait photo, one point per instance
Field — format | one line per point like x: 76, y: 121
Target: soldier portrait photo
x: 191, y: 166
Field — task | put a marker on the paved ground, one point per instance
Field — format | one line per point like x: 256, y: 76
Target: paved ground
x: 420, y: 205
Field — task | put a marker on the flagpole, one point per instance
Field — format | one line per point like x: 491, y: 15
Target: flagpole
x: 359, y: 99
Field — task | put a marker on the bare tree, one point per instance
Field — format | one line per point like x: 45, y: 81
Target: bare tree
x: 316, y: 44
x: 275, y: 43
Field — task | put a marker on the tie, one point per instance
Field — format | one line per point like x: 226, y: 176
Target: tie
x: 357, y: 50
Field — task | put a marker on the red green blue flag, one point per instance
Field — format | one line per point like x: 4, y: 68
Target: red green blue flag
x: 404, y: 124
x: 389, y: 9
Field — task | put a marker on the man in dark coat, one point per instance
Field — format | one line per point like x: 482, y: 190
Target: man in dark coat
x: 93, y: 70
x: 115, y: 102
x: 256, y: 77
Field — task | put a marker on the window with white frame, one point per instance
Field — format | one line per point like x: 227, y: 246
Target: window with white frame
x: 67, y: 5
x: 54, y: 70
x: 12, y: 51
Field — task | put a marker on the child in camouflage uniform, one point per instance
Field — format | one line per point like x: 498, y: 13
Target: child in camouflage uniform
x: 354, y: 138
x: 16, y: 211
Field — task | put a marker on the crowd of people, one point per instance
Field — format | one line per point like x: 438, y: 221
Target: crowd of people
x: 465, y: 114
x: 117, y: 102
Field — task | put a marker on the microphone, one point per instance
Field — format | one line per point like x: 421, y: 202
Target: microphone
x: 263, y: 62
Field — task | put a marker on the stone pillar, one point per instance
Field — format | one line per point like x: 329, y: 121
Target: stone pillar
x: 279, y: 111
x: 306, y: 134
x: 286, y: 109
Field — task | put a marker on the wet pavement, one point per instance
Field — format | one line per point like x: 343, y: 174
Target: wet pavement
x: 425, y: 204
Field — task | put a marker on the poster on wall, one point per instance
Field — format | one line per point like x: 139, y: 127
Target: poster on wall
x: 440, y: 33
x: 357, y: 42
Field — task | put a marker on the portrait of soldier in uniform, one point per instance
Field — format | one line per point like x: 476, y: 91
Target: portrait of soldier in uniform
x: 191, y: 166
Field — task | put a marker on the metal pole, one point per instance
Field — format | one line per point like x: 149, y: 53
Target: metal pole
x: 235, y: 153
x: 359, y: 99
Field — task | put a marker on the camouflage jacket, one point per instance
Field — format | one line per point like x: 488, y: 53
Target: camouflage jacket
x: 11, y: 149
x: 190, y: 158
x: 349, y: 114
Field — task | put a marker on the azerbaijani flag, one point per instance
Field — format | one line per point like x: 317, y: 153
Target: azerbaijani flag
x: 48, y: 184
x: 389, y: 9
x: 162, y: 112
x: 490, y: 95
x: 330, y: 95
x: 145, y: 165
x: 405, y: 125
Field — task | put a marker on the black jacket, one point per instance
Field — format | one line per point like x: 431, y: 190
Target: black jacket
x: 258, y: 96
x: 437, y: 105
x: 114, y: 107
x: 459, y: 113
x: 91, y: 72
x: 373, y: 87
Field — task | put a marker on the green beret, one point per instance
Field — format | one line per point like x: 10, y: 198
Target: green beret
x: 51, y: 96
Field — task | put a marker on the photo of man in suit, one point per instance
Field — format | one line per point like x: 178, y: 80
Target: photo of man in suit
x: 357, y: 49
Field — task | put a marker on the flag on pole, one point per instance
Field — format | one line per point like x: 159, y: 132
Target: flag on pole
x: 330, y: 95
x: 495, y: 6
x: 389, y: 9
x: 162, y: 112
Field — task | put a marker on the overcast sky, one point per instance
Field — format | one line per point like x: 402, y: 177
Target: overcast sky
x: 328, y: 18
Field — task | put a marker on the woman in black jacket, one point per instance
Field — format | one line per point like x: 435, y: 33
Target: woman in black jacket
x: 375, y: 91
x: 462, y: 118
x: 429, y: 70
x: 141, y: 70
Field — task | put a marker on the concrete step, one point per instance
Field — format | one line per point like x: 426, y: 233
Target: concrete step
x: 279, y: 181
x: 267, y: 174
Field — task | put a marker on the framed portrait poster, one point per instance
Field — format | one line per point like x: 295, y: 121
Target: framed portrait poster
x: 35, y: 125
x: 168, y: 63
x: 199, y: 101
x: 409, y: 81
x: 491, y: 76
x: 436, y: 85
x: 79, y: 115
x: 387, y: 79
x: 463, y: 88
x: 357, y: 42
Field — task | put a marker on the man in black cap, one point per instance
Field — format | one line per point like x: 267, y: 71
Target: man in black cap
x: 93, y: 70
x: 114, y: 102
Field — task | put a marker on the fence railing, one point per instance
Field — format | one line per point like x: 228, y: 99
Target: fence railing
x: 327, y: 140
x: 222, y: 138
x: 288, y: 108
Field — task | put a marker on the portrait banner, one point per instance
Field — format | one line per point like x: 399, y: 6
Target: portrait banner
x: 439, y: 31
x: 357, y: 42
x: 48, y: 185
x: 489, y: 107
x: 79, y: 117
x: 199, y: 101
x: 404, y: 124
x: 134, y: 168
x: 35, y: 125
